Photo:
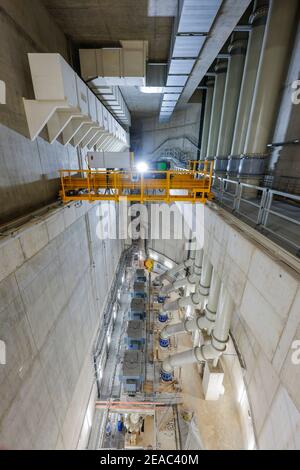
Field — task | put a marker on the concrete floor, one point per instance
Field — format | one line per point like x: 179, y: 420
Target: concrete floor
x: 217, y: 421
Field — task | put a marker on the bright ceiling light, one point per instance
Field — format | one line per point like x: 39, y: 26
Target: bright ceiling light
x: 142, y: 167
x: 151, y: 89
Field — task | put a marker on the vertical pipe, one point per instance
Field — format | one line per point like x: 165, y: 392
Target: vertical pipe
x: 258, y: 22
x: 213, y: 300
x: 275, y: 51
x: 237, y: 50
x: 207, y: 118
x: 202, y: 117
x: 205, y: 276
x: 224, y: 313
x: 217, y: 103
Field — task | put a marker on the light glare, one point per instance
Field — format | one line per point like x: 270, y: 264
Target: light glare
x: 142, y: 167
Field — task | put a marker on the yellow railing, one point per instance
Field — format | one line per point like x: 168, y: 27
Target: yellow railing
x: 166, y: 186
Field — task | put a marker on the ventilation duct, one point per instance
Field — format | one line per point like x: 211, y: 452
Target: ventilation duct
x: 123, y: 66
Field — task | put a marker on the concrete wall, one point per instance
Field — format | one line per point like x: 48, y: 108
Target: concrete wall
x: 266, y: 292
x: 265, y: 285
x: 174, y: 246
x: 28, y: 170
x: 148, y: 134
x: 55, y: 275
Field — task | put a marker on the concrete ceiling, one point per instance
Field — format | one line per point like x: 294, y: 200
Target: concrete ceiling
x: 141, y: 104
x: 105, y: 22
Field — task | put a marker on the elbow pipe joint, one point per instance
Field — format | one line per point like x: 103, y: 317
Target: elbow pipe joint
x: 204, y: 290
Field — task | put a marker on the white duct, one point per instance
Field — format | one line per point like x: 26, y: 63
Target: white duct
x: 205, y: 322
x: 192, y: 280
x: 201, y: 286
x: 177, y: 269
x: 217, y: 346
x: 205, y: 276
x: 193, y: 300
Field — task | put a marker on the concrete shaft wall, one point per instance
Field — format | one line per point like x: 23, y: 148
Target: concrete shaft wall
x: 28, y: 176
x: 55, y: 275
x: 148, y: 135
x: 266, y: 292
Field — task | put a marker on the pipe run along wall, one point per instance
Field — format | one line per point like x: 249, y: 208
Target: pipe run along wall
x: 201, y: 280
x: 217, y: 345
x: 204, y: 322
x: 190, y: 280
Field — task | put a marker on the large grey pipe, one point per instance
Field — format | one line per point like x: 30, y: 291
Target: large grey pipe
x: 216, y: 347
x: 207, y: 117
x: 271, y: 71
x: 237, y: 50
x: 217, y: 104
x: 258, y: 22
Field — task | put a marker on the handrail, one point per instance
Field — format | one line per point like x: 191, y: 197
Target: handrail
x: 262, y: 201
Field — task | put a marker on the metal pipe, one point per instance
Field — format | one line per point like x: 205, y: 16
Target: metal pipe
x: 176, y: 270
x: 217, y: 103
x: 207, y: 118
x: 215, y: 348
x: 258, y: 22
x: 236, y: 62
x: 207, y: 321
x: 190, y: 280
x: 205, y: 276
x: 272, y: 66
x: 193, y: 300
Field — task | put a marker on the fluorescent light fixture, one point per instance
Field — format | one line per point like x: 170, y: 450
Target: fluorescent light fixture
x: 151, y: 89
x: 168, y: 264
x: 142, y: 167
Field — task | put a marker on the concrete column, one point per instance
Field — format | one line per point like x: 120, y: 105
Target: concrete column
x: 272, y: 65
x: 221, y: 70
x: 237, y: 51
x: 207, y: 117
x: 258, y: 22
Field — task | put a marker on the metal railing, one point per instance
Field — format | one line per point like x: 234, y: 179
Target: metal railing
x: 152, y: 185
x: 274, y: 213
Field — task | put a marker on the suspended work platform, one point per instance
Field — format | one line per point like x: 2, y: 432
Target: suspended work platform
x: 156, y: 186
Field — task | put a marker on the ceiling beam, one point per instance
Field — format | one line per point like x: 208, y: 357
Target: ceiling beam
x: 228, y: 17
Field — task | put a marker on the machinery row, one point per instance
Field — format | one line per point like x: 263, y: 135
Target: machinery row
x: 133, y: 373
